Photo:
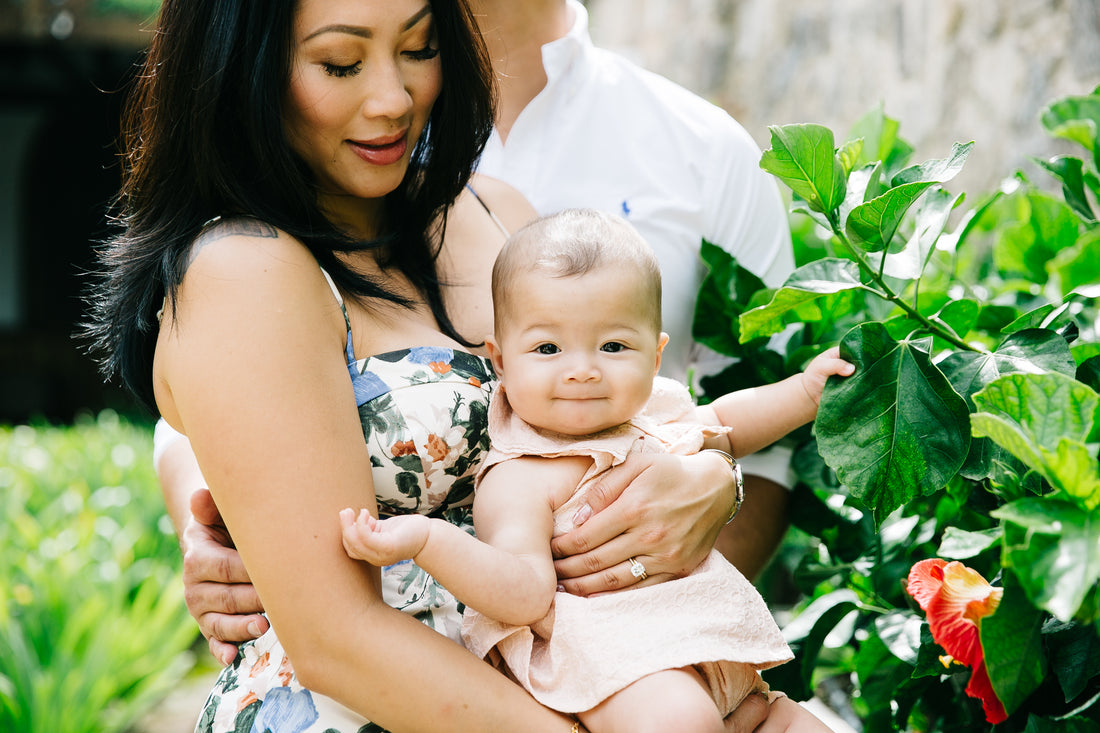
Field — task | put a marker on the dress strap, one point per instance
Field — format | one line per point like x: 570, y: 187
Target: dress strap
x: 488, y: 211
x: 343, y: 309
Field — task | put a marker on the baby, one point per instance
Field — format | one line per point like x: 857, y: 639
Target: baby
x: 576, y: 349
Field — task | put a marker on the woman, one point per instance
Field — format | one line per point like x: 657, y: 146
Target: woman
x: 266, y: 142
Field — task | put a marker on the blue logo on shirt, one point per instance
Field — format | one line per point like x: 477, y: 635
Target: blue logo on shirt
x: 625, y: 208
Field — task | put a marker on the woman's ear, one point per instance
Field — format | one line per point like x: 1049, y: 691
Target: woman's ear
x: 662, y: 341
x: 495, y: 356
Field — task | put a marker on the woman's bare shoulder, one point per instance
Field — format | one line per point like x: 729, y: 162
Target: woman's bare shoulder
x: 505, y: 201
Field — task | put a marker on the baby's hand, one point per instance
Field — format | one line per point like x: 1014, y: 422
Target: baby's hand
x: 383, y: 542
x: 823, y: 366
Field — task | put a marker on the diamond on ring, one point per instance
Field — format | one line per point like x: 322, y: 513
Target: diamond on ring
x: 637, y: 569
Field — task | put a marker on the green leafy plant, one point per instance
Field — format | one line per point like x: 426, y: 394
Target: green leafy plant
x: 93, y: 629
x: 969, y: 431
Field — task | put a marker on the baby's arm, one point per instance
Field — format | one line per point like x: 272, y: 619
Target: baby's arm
x: 508, y: 574
x: 759, y: 416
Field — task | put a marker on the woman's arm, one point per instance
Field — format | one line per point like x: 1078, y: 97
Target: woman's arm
x: 514, y: 520
x: 251, y: 367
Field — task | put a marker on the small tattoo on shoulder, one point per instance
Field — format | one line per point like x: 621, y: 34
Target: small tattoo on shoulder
x: 238, y: 226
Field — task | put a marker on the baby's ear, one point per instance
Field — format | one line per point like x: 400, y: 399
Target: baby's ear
x: 662, y: 341
x: 495, y: 356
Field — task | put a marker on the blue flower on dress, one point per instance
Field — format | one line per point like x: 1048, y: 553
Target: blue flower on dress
x: 285, y: 711
x: 429, y: 354
x: 367, y: 385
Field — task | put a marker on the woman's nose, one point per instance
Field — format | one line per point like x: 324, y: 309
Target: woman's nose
x: 386, y: 95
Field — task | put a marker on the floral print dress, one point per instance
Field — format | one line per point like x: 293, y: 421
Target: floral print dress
x: 424, y: 417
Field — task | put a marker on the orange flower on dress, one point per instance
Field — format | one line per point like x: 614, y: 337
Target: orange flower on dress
x: 955, y: 599
x: 439, y: 367
x: 475, y: 381
x: 403, y: 448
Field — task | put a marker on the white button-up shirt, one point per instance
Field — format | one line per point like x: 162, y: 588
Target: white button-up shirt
x: 608, y: 135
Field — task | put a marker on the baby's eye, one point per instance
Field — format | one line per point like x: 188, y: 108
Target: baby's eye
x: 547, y: 349
x: 613, y: 347
x: 339, y: 70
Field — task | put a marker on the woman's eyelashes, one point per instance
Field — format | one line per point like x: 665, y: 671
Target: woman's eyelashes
x: 340, y: 70
x: 427, y: 53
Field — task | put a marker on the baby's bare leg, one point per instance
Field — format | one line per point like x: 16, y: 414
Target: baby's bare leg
x: 787, y: 715
x: 672, y: 700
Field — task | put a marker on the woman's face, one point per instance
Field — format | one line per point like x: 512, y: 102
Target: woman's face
x: 363, y: 78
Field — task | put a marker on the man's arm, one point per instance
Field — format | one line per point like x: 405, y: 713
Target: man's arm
x: 217, y: 588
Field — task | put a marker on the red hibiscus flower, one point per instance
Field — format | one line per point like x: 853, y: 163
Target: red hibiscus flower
x: 955, y: 599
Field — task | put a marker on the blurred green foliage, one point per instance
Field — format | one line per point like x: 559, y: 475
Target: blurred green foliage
x: 93, y: 628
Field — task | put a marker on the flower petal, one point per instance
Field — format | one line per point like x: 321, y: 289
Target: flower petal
x: 981, y: 688
x: 925, y: 580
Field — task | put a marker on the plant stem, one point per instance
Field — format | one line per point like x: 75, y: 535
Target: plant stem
x: 887, y: 293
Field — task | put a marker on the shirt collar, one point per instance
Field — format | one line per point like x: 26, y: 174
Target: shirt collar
x: 560, y: 57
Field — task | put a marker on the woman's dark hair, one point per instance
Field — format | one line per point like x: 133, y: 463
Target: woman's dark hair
x: 203, y: 137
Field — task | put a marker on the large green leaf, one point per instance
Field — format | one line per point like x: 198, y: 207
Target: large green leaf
x: 1074, y: 655
x: 895, y: 429
x: 1076, y: 119
x: 1013, y: 646
x: 1033, y: 351
x: 1042, y: 227
x: 1078, y: 265
x: 872, y: 225
x: 931, y: 215
x: 806, y: 284
x: 1071, y: 172
x: 1075, y: 724
x: 1044, y: 420
x: 959, y: 544
x: 1054, y: 548
x: 804, y: 157
x: 881, y: 141
x: 723, y: 296
x: 806, y: 635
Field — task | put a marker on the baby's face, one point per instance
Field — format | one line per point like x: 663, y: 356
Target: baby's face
x: 577, y: 355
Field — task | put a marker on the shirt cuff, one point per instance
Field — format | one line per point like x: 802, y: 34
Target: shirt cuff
x: 772, y: 463
x: 164, y: 435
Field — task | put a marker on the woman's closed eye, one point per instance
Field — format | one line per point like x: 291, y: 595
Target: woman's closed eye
x: 341, y: 70
x: 427, y: 53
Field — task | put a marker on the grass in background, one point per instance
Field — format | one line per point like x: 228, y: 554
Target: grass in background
x: 93, y: 628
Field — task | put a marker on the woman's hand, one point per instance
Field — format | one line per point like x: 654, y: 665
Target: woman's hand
x: 752, y: 711
x: 217, y: 588
x: 664, y: 511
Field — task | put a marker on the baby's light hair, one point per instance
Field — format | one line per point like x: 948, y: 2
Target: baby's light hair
x: 571, y: 243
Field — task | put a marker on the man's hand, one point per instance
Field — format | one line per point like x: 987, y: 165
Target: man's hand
x: 217, y: 588
x: 664, y: 511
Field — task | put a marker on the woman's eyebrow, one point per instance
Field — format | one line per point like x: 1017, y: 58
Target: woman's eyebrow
x: 362, y: 32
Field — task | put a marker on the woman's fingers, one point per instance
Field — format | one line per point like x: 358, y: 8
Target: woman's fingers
x: 752, y: 711
x: 620, y: 575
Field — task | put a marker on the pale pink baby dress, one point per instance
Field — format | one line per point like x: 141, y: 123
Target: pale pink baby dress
x: 586, y: 649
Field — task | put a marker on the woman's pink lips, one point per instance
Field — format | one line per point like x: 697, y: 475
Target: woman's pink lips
x: 381, y: 153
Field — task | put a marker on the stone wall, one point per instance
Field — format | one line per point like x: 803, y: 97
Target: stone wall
x: 948, y: 70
